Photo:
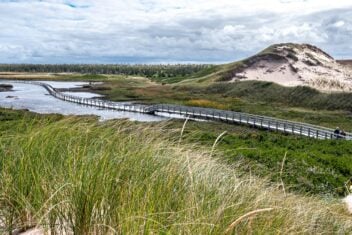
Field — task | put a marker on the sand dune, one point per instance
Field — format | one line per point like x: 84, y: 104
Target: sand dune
x: 297, y: 64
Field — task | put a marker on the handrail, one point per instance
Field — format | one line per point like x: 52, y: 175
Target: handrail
x: 258, y: 121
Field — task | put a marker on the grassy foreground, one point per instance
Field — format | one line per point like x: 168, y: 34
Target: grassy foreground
x: 78, y: 175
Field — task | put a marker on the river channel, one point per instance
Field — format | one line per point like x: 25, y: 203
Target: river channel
x: 36, y: 99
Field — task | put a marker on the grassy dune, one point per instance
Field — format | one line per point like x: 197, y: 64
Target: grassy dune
x: 77, y: 175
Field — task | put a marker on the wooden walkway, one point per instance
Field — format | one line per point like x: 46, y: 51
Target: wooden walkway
x: 257, y: 121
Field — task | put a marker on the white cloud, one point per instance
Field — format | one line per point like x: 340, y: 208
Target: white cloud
x: 339, y: 23
x: 50, y: 31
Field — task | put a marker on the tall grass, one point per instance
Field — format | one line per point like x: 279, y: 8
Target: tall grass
x: 206, y: 104
x: 78, y: 176
x: 269, y: 93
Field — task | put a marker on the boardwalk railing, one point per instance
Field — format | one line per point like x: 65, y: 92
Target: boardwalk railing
x: 257, y: 121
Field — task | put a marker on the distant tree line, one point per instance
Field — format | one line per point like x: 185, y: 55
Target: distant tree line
x: 156, y: 71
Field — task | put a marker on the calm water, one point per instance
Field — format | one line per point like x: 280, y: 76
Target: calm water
x: 36, y: 99
x: 83, y: 94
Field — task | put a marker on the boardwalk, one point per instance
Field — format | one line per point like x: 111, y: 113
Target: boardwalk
x: 257, y: 121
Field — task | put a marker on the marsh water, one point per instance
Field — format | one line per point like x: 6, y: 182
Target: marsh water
x: 36, y: 99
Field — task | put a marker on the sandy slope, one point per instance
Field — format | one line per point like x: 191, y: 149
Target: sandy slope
x: 34, y: 231
x: 293, y: 65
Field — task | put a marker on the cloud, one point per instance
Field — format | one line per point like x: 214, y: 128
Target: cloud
x: 151, y: 31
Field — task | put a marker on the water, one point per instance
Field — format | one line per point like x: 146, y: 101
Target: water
x: 88, y: 95
x: 37, y: 99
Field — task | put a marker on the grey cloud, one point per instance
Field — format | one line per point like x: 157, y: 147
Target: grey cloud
x: 69, y: 32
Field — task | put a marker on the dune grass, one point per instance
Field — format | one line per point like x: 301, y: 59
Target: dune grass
x: 319, y: 167
x: 206, y: 104
x: 78, y: 176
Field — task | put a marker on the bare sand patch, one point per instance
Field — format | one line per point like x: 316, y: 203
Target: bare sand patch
x: 299, y: 65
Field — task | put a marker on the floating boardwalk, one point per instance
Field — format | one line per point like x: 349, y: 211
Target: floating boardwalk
x: 257, y: 121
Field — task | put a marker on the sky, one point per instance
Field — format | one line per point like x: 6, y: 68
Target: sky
x: 160, y: 31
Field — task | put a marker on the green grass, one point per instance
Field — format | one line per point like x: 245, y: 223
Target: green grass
x: 300, y: 104
x: 319, y: 167
x: 284, y: 96
x: 77, y: 175
x: 93, y: 77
